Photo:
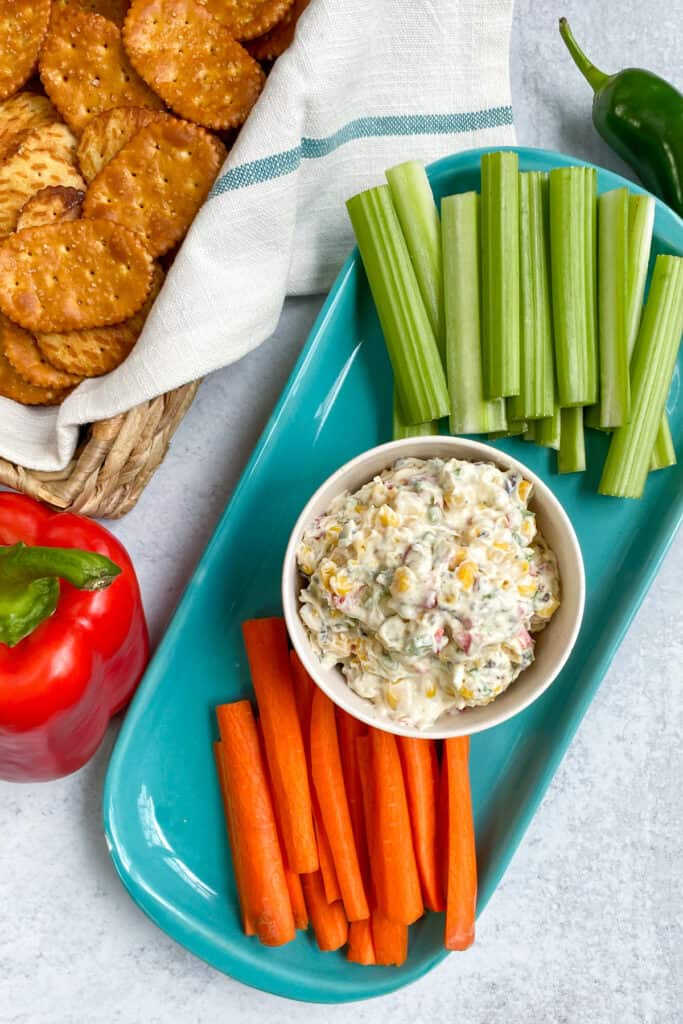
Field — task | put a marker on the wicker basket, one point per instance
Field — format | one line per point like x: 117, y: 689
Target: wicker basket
x: 113, y: 464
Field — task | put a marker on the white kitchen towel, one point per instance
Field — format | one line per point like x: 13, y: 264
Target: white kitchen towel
x: 365, y: 84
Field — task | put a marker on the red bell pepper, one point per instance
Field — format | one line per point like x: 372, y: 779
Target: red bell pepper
x: 73, y: 638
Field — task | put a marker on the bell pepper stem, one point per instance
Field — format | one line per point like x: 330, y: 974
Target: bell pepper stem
x: 29, y: 584
x: 85, y: 570
x: 595, y: 78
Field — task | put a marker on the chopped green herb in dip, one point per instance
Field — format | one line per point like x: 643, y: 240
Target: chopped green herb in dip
x: 426, y: 586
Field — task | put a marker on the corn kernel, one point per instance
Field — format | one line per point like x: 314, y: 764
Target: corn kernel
x: 341, y: 584
x: 527, y: 589
x: 402, y: 580
x: 361, y: 508
x: 458, y: 558
x: 548, y: 609
x: 328, y: 569
x: 332, y: 532
x: 466, y: 574
x: 523, y: 489
x: 307, y: 560
x: 455, y: 500
x: 392, y: 699
x: 528, y: 528
x: 524, y: 567
x: 466, y: 693
x: 430, y: 691
x: 387, y: 516
x: 501, y: 546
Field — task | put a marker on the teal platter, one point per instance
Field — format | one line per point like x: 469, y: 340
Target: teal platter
x: 162, y: 809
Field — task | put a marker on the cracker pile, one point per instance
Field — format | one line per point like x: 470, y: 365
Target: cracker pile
x: 105, y: 157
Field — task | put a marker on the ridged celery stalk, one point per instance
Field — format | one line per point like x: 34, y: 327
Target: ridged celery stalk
x: 640, y: 226
x: 547, y: 432
x: 573, y: 264
x: 536, y: 397
x: 513, y: 429
x: 663, y: 453
x: 471, y: 413
x: 414, y: 355
x: 402, y: 429
x: 500, y: 273
x: 652, y: 365
x: 419, y: 218
x: 571, y: 456
x: 613, y: 299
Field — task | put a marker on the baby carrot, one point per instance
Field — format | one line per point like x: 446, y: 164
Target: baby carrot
x: 247, y: 923
x: 328, y: 919
x: 266, y: 644
x: 328, y: 780
x: 251, y: 819
x: 420, y: 771
x: 303, y: 690
x: 397, y: 880
x: 361, y: 947
x: 461, y: 870
x: 390, y: 938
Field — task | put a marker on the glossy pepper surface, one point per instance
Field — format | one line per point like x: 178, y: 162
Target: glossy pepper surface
x: 640, y: 115
x: 73, y: 638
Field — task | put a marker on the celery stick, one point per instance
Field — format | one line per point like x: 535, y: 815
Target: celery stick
x: 640, y: 225
x: 613, y: 298
x: 573, y: 258
x: 420, y: 379
x: 402, y: 429
x: 419, y: 218
x: 641, y: 218
x: 548, y: 430
x: 652, y: 365
x: 536, y: 397
x: 663, y: 453
x: 471, y: 413
x: 571, y: 456
x: 500, y: 273
x: 530, y: 432
x: 513, y: 429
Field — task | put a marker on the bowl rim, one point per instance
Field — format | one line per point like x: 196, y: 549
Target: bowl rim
x: 477, y: 451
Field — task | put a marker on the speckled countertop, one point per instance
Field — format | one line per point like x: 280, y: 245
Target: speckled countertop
x: 587, y: 925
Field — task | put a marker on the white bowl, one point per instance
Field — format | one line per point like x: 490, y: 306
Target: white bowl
x: 553, y: 645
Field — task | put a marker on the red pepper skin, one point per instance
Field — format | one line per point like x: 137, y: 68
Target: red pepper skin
x: 61, y: 684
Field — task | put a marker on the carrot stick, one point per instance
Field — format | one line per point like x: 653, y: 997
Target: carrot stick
x: 266, y: 644
x: 247, y: 923
x: 390, y: 938
x: 328, y: 780
x: 397, y: 880
x: 328, y: 919
x: 361, y: 947
x: 461, y: 871
x: 296, y: 893
x: 303, y: 691
x: 349, y: 729
x: 251, y: 819
x: 421, y: 775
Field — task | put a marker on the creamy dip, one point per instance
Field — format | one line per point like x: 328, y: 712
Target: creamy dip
x: 426, y: 586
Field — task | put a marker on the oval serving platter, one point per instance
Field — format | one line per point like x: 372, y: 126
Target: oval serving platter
x: 162, y: 808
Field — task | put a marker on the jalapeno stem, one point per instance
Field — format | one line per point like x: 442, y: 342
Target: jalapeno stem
x: 595, y: 78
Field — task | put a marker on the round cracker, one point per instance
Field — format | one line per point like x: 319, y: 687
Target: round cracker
x: 158, y: 181
x: 23, y: 353
x: 247, y: 19
x: 113, y: 10
x: 84, y: 69
x: 274, y: 43
x: 13, y: 386
x: 23, y: 25
x: 108, y: 133
x: 19, y: 114
x: 42, y: 156
x: 51, y: 205
x: 92, y: 353
x: 192, y: 61
x: 63, y: 277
